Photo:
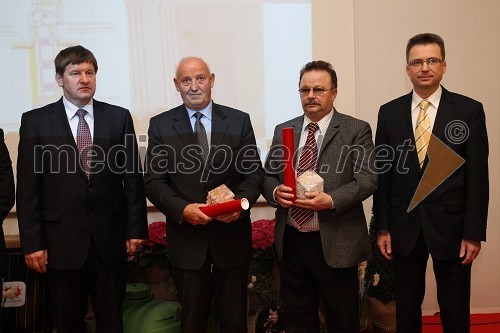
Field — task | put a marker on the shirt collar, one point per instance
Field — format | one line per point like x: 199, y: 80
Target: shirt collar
x: 207, y: 111
x: 72, y: 108
x: 434, y: 98
x: 323, y: 123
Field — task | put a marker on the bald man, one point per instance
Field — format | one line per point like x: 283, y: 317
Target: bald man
x: 193, y: 149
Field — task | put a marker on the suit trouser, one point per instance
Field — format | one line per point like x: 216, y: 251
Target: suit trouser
x: 453, y: 290
x: 305, y: 277
x: 226, y: 286
x: 69, y: 292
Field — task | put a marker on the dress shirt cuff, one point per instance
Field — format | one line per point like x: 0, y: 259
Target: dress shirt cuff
x: 274, y: 193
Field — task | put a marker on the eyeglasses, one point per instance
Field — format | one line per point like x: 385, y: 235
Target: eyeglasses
x: 316, y: 91
x: 431, y: 62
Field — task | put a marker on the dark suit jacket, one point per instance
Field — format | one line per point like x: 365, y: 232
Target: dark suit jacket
x: 346, y: 164
x: 457, y: 209
x: 6, y: 196
x: 58, y: 208
x: 174, y: 178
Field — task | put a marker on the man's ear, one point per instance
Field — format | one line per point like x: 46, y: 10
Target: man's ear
x: 212, y: 80
x: 176, y: 84
x: 59, y: 79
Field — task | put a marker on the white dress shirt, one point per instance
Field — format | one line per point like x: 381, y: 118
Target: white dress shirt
x: 73, y: 117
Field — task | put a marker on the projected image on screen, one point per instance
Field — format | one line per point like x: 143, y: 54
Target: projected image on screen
x: 255, y: 48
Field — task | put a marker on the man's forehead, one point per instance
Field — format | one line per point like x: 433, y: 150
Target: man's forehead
x: 192, y: 66
x: 430, y: 47
x: 193, y: 71
x: 80, y: 65
x: 315, y: 76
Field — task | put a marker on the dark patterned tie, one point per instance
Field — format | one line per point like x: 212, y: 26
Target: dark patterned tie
x: 201, y: 136
x: 308, y: 161
x: 84, y: 141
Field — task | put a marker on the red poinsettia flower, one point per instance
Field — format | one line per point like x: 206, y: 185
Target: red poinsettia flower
x: 262, y: 234
x: 155, y: 248
x: 157, y: 234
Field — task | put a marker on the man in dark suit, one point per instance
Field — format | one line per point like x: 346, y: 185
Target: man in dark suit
x: 320, y: 254
x: 450, y: 221
x: 6, y: 202
x: 80, y: 199
x: 209, y: 256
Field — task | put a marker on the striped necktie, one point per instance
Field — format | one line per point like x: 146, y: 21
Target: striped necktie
x: 422, y: 131
x: 308, y: 161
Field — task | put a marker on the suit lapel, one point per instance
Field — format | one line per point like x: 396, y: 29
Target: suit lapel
x: 443, y: 116
x: 59, y: 119
x: 332, y: 130
x: 182, y: 126
x: 297, y: 131
x: 219, y: 125
x: 101, y: 123
x: 404, y: 112
x: 101, y: 130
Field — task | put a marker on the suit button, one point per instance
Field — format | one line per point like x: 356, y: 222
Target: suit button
x: 90, y: 189
x: 91, y: 214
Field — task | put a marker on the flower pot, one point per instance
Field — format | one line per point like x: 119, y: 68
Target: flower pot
x: 253, y: 303
x: 252, y: 320
x: 159, y: 279
x: 382, y: 315
x: 260, y: 323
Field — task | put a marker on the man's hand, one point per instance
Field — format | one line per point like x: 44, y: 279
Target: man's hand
x: 470, y: 250
x: 192, y: 214
x: 315, y: 201
x: 37, y: 261
x: 284, y: 196
x: 133, y: 245
x: 228, y: 217
x: 384, y: 244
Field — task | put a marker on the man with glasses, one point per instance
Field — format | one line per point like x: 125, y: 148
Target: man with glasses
x: 193, y: 149
x: 420, y: 209
x: 322, y: 238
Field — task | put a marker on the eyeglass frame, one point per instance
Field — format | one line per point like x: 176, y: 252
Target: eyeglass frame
x: 419, y: 63
x: 316, y: 91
